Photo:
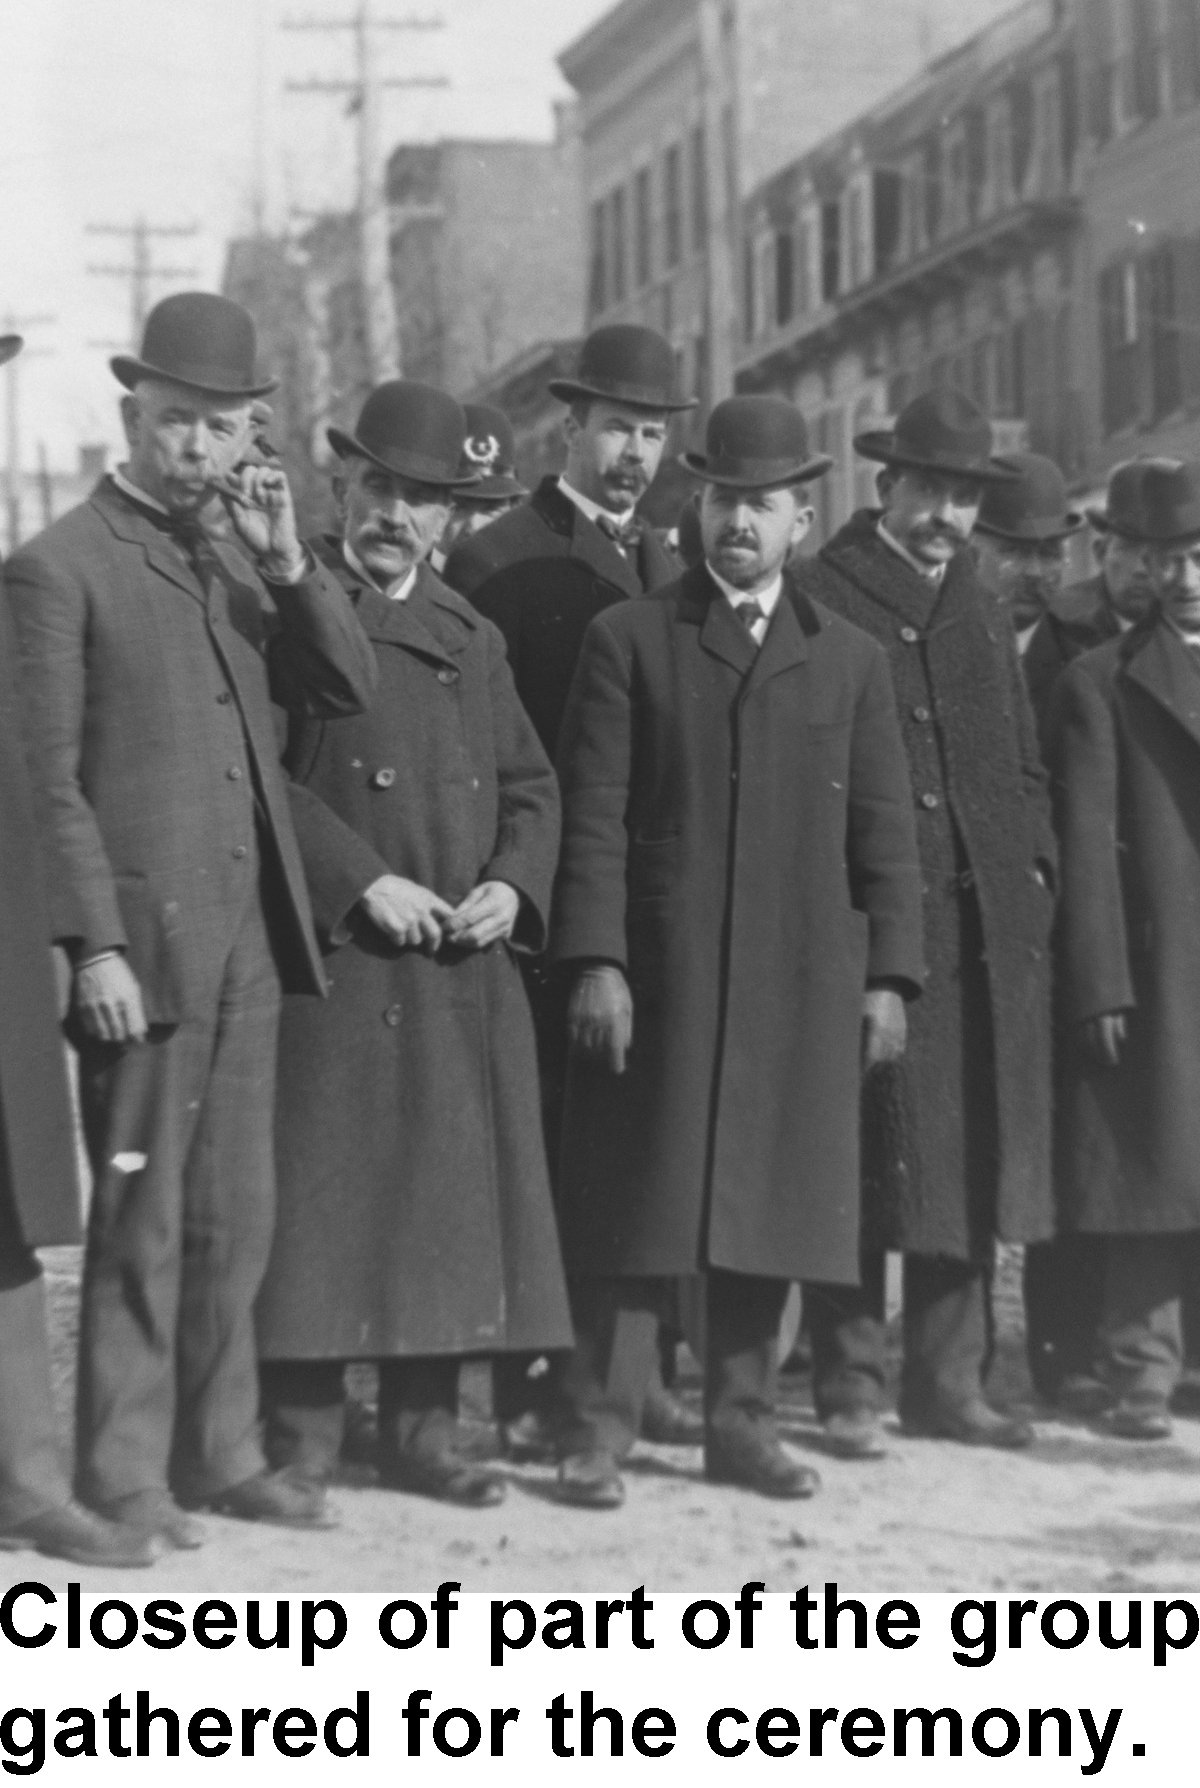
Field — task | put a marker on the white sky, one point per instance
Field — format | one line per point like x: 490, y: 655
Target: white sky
x: 111, y: 108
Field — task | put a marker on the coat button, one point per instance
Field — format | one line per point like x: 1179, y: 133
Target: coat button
x: 383, y: 778
x: 929, y: 801
x: 392, y: 1017
x: 447, y: 676
x: 239, y: 851
x: 224, y: 698
x: 233, y: 773
x: 921, y: 714
x: 909, y: 635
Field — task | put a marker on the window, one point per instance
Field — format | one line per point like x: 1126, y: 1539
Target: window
x: 749, y: 320
x: 886, y: 218
x: 1120, y: 343
x: 931, y: 188
x: 642, y: 265
x: 619, y: 263
x: 831, y: 250
x: 598, y: 277
x: 672, y: 207
x: 1145, y: 76
x: 699, y: 191
x: 1183, y: 28
x: 785, y: 287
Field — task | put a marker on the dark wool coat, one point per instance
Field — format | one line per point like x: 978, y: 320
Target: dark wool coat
x: 958, y: 1134
x: 414, y: 1207
x: 37, y: 1153
x: 1126, y: 756
x: 541, y: 572
x: 738, y: 835
x: 153, y: 749
x: 1082, y: 618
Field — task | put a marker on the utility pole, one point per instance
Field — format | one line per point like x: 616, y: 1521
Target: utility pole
x: 141, y: 270
x: 365, y: 103
x: 12, y: 431
x: 720, y: 169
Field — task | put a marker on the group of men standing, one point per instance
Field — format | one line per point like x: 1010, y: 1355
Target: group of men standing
x: 675, y: 930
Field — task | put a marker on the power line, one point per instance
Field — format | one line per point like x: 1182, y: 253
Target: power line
x: 140, y: 270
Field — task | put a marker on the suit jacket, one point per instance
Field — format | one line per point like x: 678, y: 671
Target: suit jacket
x: 1083, y: 618
x: 541, y: 572
x: 147, y: 695
x: 1125, y: 748
x: 739, y: 835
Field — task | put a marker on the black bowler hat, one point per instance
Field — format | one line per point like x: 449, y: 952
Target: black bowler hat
x: 1030, y: 507
x: 413, y: 430
x: 489, y: 450
x: 200, y: 340
x: 754, y: 442
x: 9, y: 346
x: 628, y: 363
x: 1170, y: 499
x: 1124, y: 508
x: 939, y: 431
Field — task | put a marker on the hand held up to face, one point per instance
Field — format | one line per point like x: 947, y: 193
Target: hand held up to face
x: 259, y: 501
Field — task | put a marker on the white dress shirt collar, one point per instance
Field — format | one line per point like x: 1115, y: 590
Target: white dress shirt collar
x: 766, y: 600
x: 395, y: 592
x: 138, y: 495
x: 592, y: 510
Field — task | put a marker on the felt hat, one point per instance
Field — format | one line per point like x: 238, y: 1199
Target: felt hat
x: 940, y: 431
x: 1170, y: 502
x: 628, y: 363
x: 1124, y: 512
x: 411, y: 429
x: 489, y: 450
x: 754, y: 442
x: 10, y: 345
x: 1031, y: 507
x: 200, y: 340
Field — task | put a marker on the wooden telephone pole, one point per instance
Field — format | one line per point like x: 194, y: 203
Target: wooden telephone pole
x: 140, y: 269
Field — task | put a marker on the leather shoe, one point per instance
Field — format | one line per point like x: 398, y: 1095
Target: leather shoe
x: 668, y: 1422
x: 1083, y: 1394
x: 280, y: 1498
x: 591, y: 1480
x: 531, y: 1438
x: 760, y: 1465
x: 77, y: 1534
x: 973, y: 1424
x: 155, y: 1515
x: 1140, y: 1420
x: 445, y: 1475
x: 855, y: 1434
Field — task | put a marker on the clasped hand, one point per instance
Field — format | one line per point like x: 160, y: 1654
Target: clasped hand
x: 416, y: 918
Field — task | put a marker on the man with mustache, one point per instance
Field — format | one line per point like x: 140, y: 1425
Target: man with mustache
x: 150, y: 658
x: 415, y: 1225
x: 957, y: 1135
x: 739, y: 909
x: 1020, y: 542
x: 541, y: 573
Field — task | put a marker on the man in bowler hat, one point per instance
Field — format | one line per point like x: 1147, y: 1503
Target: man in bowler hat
x: 1020, y: 541
x: 150, y: 656
x: 415, y: 1224
x: 489, y: 453
x: 1125, y: 746
x: 957, y: 1134
x: 541, y: 573
x: 738, y: 911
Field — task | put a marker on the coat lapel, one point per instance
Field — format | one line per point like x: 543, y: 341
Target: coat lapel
x: 430, y: 621
x: 858, y: 552
x: 1168, y: 670
x: 162, y: 553
x: 784, y: 644
x: 583, y: 540
x: 722, y: 635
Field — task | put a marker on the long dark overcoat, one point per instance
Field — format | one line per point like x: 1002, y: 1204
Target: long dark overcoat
x: 1126, y: 754
x: 738, y: 834
x: 1081, y: 618
x: 37, y: 1155
x: 958, y: 1134
x: 414, y: 1206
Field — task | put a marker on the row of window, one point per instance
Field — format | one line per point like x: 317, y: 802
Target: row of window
x: 1150, y: 333
x: 1145, y: 62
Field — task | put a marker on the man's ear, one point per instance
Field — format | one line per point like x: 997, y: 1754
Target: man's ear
x: 339, y: 484
x: 131, y: 417
x: 802, y: 526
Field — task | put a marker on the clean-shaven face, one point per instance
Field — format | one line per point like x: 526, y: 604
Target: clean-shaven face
x: 389, y: 522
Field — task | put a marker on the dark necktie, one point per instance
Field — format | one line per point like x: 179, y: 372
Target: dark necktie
x: 749, y: 612
x: 626, y: 535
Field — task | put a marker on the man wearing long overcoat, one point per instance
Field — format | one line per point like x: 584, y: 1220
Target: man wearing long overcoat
x: 150, y: 655
x: 738, y: 867
x: 1125, y: 734
x: 957, y: 1135
x: 415, y: 1225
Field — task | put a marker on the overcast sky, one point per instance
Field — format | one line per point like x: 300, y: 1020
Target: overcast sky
x: 114, y: 108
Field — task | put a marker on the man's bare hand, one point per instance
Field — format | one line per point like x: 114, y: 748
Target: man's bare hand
x: 1104, y: 1036
x: 108, y: 999
x: 488, y: 913
x: 885, y: 1026
x: 600, y: 1016
x: 405, y: 912
x: 259, y: 501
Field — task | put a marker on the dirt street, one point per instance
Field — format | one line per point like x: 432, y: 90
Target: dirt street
x: 1080, y: 1511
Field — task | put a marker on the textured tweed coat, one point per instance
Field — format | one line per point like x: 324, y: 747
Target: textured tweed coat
x: 414, y: 1206
x: 1125, y: 733
x: 957, y: 1136
x: 738, y: 835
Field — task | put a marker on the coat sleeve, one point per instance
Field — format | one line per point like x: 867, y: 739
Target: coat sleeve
x: 1095, y: 967
x: 339, y: 865
x: 49, y: 607
x: 595, y: 756
x: 528, y: 825
x: 884, y: 867
x: 319, y: 660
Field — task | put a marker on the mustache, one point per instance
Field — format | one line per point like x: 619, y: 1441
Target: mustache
x: 732, y: 538
x: 389, y: 537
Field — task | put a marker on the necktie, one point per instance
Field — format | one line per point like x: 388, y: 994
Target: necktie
x: 749, y: 612
x: 626, y: 535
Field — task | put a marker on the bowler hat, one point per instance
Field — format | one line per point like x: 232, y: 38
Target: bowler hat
x: 755, y: 442
x: 1124, y: 511
x: 413, y: 430
x: 628, y: 363
x: 10, y: 345
x: 1030, y: 507
x: 200, y: 340
x: 489, y: 451
x: 1170, y: 500
x: 939, y: 431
